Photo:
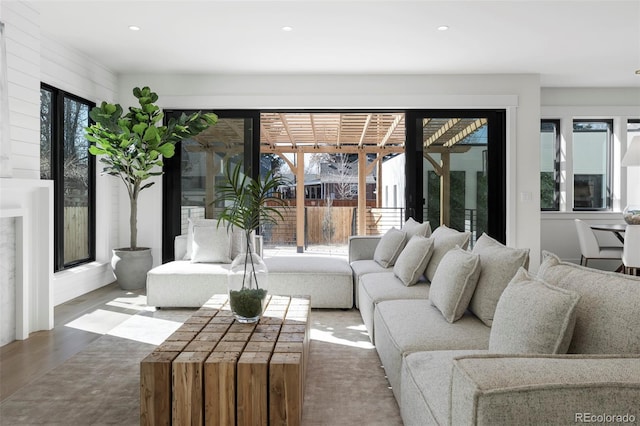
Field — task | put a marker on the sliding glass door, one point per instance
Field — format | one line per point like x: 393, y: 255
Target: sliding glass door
x: 199, y: 164
x: 457, y: 175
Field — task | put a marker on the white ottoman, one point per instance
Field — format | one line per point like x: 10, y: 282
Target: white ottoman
x: 327, y: 280
x: 182, y: 284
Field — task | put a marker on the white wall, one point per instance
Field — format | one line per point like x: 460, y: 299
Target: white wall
x: 518, y: 94
x: 558, y: 232
x: 393, y: 175
x: 32, y: 58
x: 22, y: 33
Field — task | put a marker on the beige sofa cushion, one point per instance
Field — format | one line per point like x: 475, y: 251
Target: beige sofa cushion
x: 411, y: 227
x: 405, y: 326
x: 608, y: 313
x: 389, y: 247
x: 533, y: 317
x: 375, y: 288
x: 361, y: 268
x: 453, y: 284
x: 413, y: 260
x: 444, y: 239
x: 498, y: 265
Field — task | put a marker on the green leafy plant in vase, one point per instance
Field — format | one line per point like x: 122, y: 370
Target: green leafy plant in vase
x: 131, y: 147
x: 247, y: 204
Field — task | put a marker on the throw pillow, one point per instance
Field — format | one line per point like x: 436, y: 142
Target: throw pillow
x: 454, y: 282
x: 210, y: 244
x: 237, y: 238
x: 533, y: 317
x: 197, y: 222
x: 444, y: 239
x: 411, y: 227
x: 389, y: 247
x: 499, y: 265
x: 413, y: 259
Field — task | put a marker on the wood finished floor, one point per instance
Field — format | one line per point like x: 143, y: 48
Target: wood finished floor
x: 23, y: 361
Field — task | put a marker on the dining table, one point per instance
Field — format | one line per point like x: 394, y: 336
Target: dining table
x: 617, y: 229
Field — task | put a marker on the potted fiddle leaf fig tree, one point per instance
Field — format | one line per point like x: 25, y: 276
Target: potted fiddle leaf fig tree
x: 131, y: 147
x: 247, y: 204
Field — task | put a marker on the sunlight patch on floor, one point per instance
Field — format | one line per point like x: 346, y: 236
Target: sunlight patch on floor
x: 325, y: 336
x: 138, y: 303
x: 99, y: 321
x: 145, y: 329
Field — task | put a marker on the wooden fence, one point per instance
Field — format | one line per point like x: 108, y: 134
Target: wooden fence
x: 76, y: 233
x: 328, y: 225
x: 331, y: 225
x: 324, y: 225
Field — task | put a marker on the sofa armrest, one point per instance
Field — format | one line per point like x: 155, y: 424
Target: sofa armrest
x: 362, y: 247
x: 543, y: 389
x: 179, y: 247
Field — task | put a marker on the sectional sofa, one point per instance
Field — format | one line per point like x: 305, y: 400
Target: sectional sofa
x: 479, y: 340
x: 466, y: 336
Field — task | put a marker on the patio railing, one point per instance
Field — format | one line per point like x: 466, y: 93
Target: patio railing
x: 331, y: 225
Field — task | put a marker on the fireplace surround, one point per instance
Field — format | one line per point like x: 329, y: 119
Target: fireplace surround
x: 29, y: 202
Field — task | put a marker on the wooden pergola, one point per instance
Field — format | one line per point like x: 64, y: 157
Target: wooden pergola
x: 333, y: 133
x: 366, y: 134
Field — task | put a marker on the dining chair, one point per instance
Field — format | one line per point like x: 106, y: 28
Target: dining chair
x: 590, y: 248
x: 631, y: 251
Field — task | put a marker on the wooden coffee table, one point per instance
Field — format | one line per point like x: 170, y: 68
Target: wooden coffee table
x: 214, y: 370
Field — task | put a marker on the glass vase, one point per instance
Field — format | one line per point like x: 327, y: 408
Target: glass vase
x: 247, y: 282
x: 631, y: 214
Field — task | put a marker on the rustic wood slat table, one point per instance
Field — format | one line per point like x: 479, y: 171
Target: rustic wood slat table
x: 216, y: 371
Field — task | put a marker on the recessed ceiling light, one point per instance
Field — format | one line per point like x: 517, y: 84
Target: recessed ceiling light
x: 134, y: 28
x: 287, y: 28
x: 638, y: 72
x: 443, y: 28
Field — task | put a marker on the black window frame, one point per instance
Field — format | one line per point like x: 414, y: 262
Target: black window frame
x: 171, y: 179
x: 609, y: 166
x: 496, y: 164
x: 556, y: 165
x: 58, y: 97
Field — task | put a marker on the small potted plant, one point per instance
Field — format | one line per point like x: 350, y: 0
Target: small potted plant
x: 247, y: 204
x: 132, y: 147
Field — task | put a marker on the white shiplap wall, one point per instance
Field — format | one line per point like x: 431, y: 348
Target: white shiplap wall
x: 74, y: 72
x: 22, y: 30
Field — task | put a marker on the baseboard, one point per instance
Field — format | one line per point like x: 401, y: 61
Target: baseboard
x: 80, y: 280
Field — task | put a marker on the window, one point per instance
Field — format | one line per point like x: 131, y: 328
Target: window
x: 633, y: 173
x: 64, y: 158
x: 633, y: 129
x: 592, y: 164
x: 550, y: 165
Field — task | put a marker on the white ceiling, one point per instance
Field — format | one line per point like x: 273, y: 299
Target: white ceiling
x: 569, y: 43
